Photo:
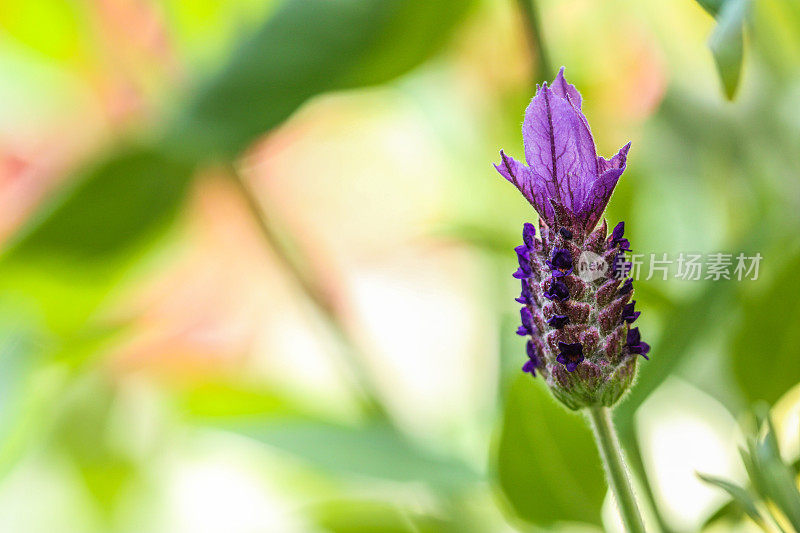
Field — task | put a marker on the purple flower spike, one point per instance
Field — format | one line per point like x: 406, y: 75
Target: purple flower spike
x: 635, y: 343
x: 570, y: 355
x: 574, y: 322
x: 558, y: 321
x: 561, y: 262
x: 562, y: 163
x: 557, y: 291
x: 628, y: 314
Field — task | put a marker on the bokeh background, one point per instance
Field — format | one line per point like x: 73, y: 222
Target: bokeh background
x: 256, y: 262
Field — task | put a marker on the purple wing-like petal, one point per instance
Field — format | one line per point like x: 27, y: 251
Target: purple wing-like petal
x: 618, y: 161
x: 518, y: 174
x: 598, y: 196
x: 559, y: 149
x: 566, y: 90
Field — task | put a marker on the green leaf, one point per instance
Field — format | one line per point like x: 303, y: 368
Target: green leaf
x: 727, y: 43
x: 376, y: 451
x: 308, y: 47
x: 221, y: 400
x: 53, y: 28
x: 730, y: 512
x: 764, y: 350
x: 739, y: 495
x: 64, y: 261
x: 364, y: 516
x: 546, y: 463
x: 110, y: 207
x: 712, y: 7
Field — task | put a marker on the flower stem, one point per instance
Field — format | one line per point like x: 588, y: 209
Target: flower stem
x: 536, y: 44
x: 611, y: 454
x: 296, y: 263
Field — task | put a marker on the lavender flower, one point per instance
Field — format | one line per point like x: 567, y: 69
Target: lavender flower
x: 580, y: 338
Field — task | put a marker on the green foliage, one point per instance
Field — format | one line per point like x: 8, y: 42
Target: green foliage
x: 546, y: 463
x: 57, y: 32
x: 308, y: 47
x: 376, y: 451
x: 773, y: 491
x: 364, y: 516
x: 727, y: 40
x: 108, y: 209
x: 75, y: 248
x: 764, y: 349
x: 727, y: 44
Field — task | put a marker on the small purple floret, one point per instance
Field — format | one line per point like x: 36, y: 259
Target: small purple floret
x: 558, y: 321
x: 626, y: 287
x: 635, y: 343
x: 528, y: 234
x: 561, y: 262
x: 628, y: 313
x: 616, y: 238
x: 533, y: 359
x: 524, y: 258
x: 565, y: 233
x: 570, y: 355
x: 557, y: 291
x: 525, y: 297
x: 527, y: 327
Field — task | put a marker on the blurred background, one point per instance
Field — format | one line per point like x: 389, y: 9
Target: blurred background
x: 256, y: 262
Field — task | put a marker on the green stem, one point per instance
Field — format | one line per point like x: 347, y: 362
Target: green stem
x: 297, y: 264
x: 533, y: 32
x: 611, y: 454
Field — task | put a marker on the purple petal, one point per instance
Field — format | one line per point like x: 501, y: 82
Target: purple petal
x: 528, y: 235
x: 618, y: 161
x: 558, y: 321
x: 559, y: 150
x: 520, y: 176
x: 600, y: 191
x: 617, y: 232
x: 566, y: 90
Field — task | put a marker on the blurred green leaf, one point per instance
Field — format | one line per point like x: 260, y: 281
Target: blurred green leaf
x: 740, y: 495
x: 727, y: 43
x: 712, y: 7
x: 222, y: 400
x: 305, y: 48
x: 63, y: 262
x: 764, y: 350
x: 362, y: 516
x: 772, y: 491
x: 83, y: 433
x: 546, y: 462
x: 730, y: 512
x: 205, y: 30
x: 691, y: 319
x: 376, y: 451
x: 51, y: 27
x: 110, y: 207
